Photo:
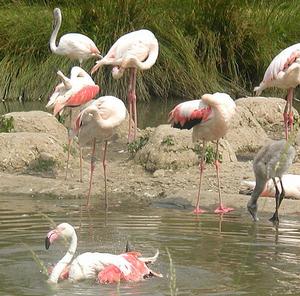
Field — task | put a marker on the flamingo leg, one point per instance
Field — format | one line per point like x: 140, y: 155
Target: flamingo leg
x: 93, y: 161
x: 132, y: 105
x: 275, y: 218
x: 70, y: 140
x: 288, y: 116
x: 105, y: 178
x: 197, y: 209
x: 221, y: 209
x: 80, y: 162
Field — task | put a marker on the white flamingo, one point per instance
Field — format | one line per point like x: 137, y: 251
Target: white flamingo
x: 107, y: 268
x: 97, y: 122
x: 73, y: 45
x: 209, y: 118
x: 72, y: 92
x: 134, y: 50
x: 284, y: 72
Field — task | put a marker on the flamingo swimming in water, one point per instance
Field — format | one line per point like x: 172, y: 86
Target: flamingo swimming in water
x: 290, y: 182
x: 73, y: 45
x: 134, y: 50
x: 72, y: 92
x: 209, y: 118
x: 284, y: 72
x: 97, y: 122
x: 271, y: 161
x: 107, y: 268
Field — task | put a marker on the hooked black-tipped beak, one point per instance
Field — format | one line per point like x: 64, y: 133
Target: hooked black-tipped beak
x: 47, y: 242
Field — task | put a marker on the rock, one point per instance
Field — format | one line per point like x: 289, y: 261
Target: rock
x: 25, y: 151
x: 245, y: 133
x: 38, y: 122
x: 170, y: 148
x: 159, y: 173
x: 268, y: 112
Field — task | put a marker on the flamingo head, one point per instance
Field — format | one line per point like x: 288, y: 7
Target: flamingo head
x: 64, y: 230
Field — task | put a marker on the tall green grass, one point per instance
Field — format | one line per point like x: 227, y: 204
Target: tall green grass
x: 205, y: 46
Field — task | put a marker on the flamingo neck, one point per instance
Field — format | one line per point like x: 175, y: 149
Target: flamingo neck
x: 57, y: 22
x: 63, y: 263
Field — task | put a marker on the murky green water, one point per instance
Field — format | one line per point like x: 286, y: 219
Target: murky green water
x: 212, y: 255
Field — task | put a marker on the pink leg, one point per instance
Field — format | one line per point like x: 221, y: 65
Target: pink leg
x: 197, y: 209
x: 132, y: 104
x: 288, y: 117
x: 80, y: 162
x: 221, y: 209
x: 70, y: 140
x: 105, y: 179
x: 93, y: 161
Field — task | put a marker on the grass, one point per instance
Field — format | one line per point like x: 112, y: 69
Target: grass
x: 6, y: 124
x: 137, y: 144
x: 205, y: 46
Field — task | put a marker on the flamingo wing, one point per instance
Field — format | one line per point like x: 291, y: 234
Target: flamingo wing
x: 282, y: 62
x: 188, y: 114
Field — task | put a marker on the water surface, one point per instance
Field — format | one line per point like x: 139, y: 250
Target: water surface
x: 211, y: 255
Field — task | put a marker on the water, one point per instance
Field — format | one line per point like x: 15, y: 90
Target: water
x: 212, y: 255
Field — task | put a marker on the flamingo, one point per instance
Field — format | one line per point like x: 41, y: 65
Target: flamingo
x: 271, y: 161
x: 284, y: 72
x: 107, y: 268
x: 291, y: 184
x: 134, y: 50
x: 73, y: 45
x: 97, y: 122
x: 209, y: 118
x: 72, y: 92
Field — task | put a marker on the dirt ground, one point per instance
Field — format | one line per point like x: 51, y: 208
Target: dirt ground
x: 129, y: 181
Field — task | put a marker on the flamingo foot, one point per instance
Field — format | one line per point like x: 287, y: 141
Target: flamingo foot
x: 223, y: 210
x: 198, y: 211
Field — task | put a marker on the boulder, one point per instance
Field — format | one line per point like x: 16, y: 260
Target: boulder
x: 171, y: 148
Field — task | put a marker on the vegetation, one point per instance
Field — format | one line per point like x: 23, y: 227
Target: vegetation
x: 137, y: 144
x: 209, y: 155
x: 205, y: 46
x: 6, y: 124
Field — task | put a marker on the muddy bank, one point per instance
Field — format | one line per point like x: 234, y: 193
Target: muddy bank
x: 164, y: 171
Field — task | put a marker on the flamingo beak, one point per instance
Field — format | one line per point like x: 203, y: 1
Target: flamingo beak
x: 50, y: 238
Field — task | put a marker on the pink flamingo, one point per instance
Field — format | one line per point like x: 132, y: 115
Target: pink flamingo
x: 98, y: 122
x: 209, y: 118
x: 73, y: 45
x: 134, y: 50
x: 72, y: 92
x: 284, y: 72
x: 107, y: 268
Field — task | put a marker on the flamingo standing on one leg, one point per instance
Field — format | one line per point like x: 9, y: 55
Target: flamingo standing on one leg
x: 209, y: 118
x: 271, y: 161
x: 284, y: 72
x: 72, y: 92
x: 73, y: 45
x: 134, y: 50
x: 97, y: 122
x: 105, y: 267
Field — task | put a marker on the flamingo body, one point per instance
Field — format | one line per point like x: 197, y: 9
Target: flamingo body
x: 210, y: 119
x: 73, y: 45
x: 291, y: 185
x: 97, y: 122
x: 93, y: 265
x: 134, y: 50
x: 74, y: 91
x: 137, y: 49
x: 284, y: 72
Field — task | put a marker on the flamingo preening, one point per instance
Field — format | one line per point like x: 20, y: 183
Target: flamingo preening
x: 134, y: 50
x: 72, y: 92
x: 73, y: 45
x: 104, y: 267
x: 97, y: 122
x: 271, y: 162
x: 284, y: 72
x: 209, y: 118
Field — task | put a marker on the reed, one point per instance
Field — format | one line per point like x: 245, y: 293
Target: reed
x: 205, y: 46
